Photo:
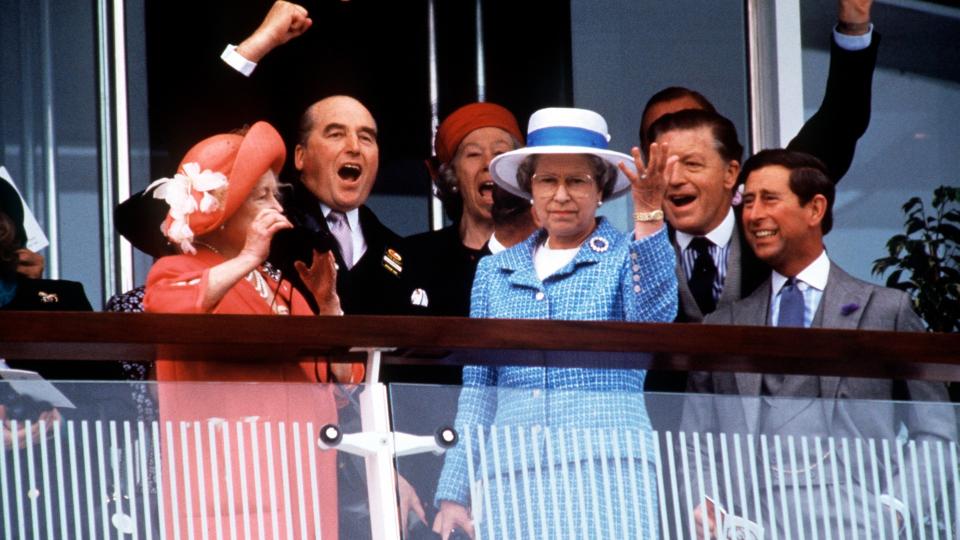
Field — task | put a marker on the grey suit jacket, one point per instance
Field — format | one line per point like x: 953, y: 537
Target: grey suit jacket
x: 847, y: 303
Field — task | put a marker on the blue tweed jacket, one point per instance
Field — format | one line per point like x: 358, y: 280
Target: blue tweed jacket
x: 612, y: 277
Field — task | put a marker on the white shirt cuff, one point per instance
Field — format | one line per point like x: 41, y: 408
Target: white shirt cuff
x: 853, y: 43
x: 239, y: 63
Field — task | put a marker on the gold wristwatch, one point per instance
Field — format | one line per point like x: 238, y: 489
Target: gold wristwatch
x: 643, y: 217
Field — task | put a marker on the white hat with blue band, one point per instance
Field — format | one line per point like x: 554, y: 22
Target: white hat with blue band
x: 558, y: 130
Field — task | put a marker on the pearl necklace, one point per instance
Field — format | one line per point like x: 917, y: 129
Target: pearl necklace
x: 259, y: 283
x: 208, y: 246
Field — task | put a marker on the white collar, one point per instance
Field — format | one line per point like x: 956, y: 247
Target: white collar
x: 494, y: 245
x: 815, y: 275
x: 720, y: 236
x: 353, y: 216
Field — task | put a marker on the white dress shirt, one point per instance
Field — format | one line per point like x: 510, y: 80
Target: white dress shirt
x: 853, y: 43
x: 237, y: 61
x: 719, y: 251
x: 547, y: 260
x: 494, y: 245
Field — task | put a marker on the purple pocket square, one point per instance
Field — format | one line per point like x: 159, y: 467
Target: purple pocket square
x: 847, y: 309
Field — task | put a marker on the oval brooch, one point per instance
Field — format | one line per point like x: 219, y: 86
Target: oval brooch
x: 599, y: 244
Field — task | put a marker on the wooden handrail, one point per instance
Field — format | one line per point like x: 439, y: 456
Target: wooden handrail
x: 141, y: 337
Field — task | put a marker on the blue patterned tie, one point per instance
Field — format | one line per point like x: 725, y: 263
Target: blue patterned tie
x: 791, y: 305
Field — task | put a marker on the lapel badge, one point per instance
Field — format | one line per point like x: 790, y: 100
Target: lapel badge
x: 419, y: 298
x: 599, y: 244
x: 392, y: 261
x: 48, y: 298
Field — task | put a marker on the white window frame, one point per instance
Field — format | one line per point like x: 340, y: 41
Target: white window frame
x: 775, y: 71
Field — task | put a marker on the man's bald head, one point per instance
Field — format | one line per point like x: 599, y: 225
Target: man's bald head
x: 308, y: 118
x: 337, y: 153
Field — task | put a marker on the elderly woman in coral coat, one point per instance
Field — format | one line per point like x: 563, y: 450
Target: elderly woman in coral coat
x: 252, y: 466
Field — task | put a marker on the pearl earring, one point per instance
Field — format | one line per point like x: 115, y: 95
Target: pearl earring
x: 599, y: 204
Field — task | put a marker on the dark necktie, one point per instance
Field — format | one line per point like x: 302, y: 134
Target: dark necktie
x: 703, y: 276
x: 340, y: 229
x: 791, y: 305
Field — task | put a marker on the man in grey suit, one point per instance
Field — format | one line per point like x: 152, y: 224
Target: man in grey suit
x: 822, y: 463
x: 713, y: 266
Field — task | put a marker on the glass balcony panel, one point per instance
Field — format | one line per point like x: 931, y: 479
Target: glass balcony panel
x: 579, y: 450
x: 175, y: 460
x: 540, y: 463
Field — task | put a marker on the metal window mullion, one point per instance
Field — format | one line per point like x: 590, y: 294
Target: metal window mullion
x: 105, y: 138
x: 49, y: 144
x: 789, y: 70
x: 436, y: 206
x: 481, y: 61
x: 117, y: 254
x: 27, y: 158
x: 775, y: 72
x: 122, y: 149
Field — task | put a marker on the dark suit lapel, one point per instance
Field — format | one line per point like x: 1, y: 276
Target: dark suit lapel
x: 752, y: 311
x: 306, y: 214
x: 371, y: 228
x: 689, y: 310
x: 733, y: 280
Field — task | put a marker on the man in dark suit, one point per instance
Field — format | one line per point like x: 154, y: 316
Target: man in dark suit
x: 22, y: 289
x: 714, y: 267
x: 713, y: 262
x: 831, y: 134
x: 337, y: 156
x: 787, y: 209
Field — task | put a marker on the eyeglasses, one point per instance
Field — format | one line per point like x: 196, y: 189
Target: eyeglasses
x: 577, y: 185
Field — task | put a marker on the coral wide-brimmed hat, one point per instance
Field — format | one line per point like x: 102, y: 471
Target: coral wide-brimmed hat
x: 214, y: 179
x: 558, y: 130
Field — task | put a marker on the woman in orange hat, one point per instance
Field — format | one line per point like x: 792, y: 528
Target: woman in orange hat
x: 242, y: 471
x: 445, y: 261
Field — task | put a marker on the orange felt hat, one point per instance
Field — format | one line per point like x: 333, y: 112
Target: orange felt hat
x: 213, y: 180
x: 468, y: 118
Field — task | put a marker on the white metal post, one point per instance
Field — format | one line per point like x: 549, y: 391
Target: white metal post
x: 381, y: 475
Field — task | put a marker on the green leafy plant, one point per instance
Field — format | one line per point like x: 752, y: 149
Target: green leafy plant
x: 926, y: 260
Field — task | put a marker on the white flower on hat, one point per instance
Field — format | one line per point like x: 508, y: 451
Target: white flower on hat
x: 178, y: 194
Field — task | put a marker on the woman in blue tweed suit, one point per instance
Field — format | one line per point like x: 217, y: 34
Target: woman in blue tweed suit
x: 550, y: 452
